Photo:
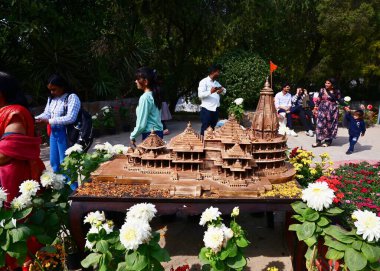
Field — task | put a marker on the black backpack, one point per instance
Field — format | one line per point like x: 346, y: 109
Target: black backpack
x: 80, y: 131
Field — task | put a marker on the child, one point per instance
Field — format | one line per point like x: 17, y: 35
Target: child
x: 356, y: 126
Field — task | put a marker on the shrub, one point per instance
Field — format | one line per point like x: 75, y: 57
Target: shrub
x: 243, y: 76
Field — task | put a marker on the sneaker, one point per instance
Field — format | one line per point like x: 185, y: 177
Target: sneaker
x: 310, y: 133
x: 349, y: 152
x: 292, y: 133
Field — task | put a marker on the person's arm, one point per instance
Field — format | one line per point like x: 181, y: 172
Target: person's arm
x: 202, y: 90
x: 142, y: 118
x: 46, y: 113
x: 15, y: 126
x: 363, y: 129
x: 73, y: 107
x: 276, y: 102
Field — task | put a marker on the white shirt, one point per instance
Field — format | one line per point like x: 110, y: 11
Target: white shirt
x: 282, y: 100
x: 210, y: 101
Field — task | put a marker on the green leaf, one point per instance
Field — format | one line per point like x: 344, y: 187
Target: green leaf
x: 121, y: 266
x: 306, y: 230
x: 2, y: 258
x: 206, y: 267
x: 102, y: 246
x: 323, y: 221
x: 374, y: 266
x: 354, y: 260
x: 294, y: 227
x: 20, y: 234
x: 330, y: 242
x: 311, y: 215
x: 372, y: 253
x: 18, y: 250
x: 310, y: 241
x: 339, y: 234
x: 334, y: 211
x: 309, y: 253
x: 299, y: 207
x: 8, y: 241
x: 237, y: 262
x: 22, y: 214
x: 136, y: 261
x: 334, y: 254
x: 161, y: 255
x: 300, y: 218
x: 357, y: 245
x: 203, y: 255
x: 5, y: 215
x: 242, y: 242
x: 91, y: 260
x: 38, y: 216
x: 44, y: 239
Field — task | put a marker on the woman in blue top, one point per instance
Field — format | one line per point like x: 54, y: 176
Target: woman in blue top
x: 61, y: 109
x: 148, y: 110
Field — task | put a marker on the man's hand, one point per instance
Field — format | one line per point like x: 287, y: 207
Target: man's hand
x: 214, y: 89
x: 42, y: 121
x: 220, y: 90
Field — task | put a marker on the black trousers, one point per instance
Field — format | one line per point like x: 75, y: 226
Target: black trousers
x: 208, y: 119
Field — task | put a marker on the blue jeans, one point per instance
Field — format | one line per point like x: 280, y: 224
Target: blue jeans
x: 58, y: 146
x: 159, y: 133
x: 353, y: 140
x: 208, y: 118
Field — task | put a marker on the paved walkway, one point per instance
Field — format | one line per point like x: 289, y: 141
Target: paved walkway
x: 183, y: 236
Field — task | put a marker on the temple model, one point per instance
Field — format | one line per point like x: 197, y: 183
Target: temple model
x: 228, y: 162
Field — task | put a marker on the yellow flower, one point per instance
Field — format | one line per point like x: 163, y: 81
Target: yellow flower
x: 272, y: 268
x: 324, y: 155
x: 313, y: 171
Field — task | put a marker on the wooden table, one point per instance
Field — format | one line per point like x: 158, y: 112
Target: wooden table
x: 81, y: 205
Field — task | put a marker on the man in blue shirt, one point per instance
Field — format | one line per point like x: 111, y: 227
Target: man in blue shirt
x: 356, y: 127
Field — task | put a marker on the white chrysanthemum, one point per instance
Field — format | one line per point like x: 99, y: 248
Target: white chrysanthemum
x: 108, y: 226
x: 21, y: 202
x: 367, y: 224
x: 239, y: 101
x: 141, y: 211
x: 209, y: 215
x: 235, y: 212
x: 347, y: 99
x: 89, y: 245
x: 29, y: 187
x: 119, y: 149
x: 47, y: 178
x: 99, y: 147
x: 318, y: 196
x: 3, y: 196
x: 94, y: 217
x: 134, y: 233
x: 108, y: 147
x: 76, y: 148
x: 105, y: 108
x: 228, y: 234
x: 106, y: 111
x: 94, y: 117
x: 59, y: 181
x: 213, y: 238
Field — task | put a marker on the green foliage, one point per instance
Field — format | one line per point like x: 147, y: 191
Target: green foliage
x: 243, y: 76
x: 342, y: 244
x: 231, y: 255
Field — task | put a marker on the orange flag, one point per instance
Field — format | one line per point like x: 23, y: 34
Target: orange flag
x: 272, y: 66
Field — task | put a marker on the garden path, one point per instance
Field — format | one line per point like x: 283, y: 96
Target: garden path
x: 183, y: 236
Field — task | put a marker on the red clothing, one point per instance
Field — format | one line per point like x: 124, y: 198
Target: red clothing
x: 23, y: 149
x: 25, y: 163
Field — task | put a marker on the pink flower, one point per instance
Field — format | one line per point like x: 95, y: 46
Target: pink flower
x: 369, y: 107
x: 347, y: 201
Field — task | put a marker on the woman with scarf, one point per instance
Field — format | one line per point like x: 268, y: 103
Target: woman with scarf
x: 19, y: 147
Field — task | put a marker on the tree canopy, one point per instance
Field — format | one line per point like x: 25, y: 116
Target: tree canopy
x: 98, y: 44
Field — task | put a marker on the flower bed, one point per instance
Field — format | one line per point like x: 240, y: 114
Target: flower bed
x: 357, y: 186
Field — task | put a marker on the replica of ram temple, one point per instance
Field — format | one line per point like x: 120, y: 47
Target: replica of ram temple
x: 230, y: 161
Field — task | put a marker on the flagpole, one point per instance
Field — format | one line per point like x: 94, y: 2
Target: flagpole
x: 271, y: 81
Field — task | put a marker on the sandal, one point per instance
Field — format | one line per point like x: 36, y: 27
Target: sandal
x: 325, y: 145
x: 317, y: 144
